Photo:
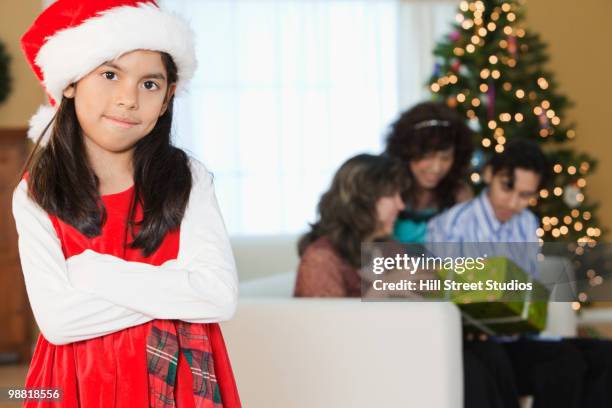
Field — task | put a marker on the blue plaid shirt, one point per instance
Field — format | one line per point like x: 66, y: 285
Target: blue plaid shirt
x: 475, y: 222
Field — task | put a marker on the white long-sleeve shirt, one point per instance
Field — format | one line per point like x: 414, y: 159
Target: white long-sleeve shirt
x: 92, y: 294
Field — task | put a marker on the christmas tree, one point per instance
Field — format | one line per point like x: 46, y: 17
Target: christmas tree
x: 493, y: 71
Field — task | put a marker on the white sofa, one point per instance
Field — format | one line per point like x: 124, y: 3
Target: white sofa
x: 310, y: 353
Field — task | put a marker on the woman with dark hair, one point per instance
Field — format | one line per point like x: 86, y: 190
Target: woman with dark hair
x: 435, y: 145
x: 361, y: 205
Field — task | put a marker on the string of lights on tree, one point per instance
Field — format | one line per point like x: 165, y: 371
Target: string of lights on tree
x: 492, y: 70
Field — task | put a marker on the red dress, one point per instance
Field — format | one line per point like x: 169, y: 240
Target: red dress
x: 111, y: 370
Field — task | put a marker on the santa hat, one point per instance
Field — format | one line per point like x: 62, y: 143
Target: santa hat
x: 72, y: 37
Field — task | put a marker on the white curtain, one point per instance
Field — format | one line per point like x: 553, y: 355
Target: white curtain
x: 287, y: 90
x: 422, y: 24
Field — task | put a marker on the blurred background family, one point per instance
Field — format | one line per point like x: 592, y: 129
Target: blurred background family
x: 416, y: 191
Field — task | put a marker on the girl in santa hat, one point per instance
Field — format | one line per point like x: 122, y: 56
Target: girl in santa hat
x: 126, y: 260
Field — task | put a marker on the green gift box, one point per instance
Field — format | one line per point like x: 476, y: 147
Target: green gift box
x: 508, y: 307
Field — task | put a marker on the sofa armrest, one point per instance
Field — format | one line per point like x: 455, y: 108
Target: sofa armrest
x: 308, y: 353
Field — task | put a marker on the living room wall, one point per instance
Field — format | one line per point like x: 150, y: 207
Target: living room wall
x: 15, y: 17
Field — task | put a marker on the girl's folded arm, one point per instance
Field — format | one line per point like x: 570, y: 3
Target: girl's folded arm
x: 63, y: 313
x: 200, y: 286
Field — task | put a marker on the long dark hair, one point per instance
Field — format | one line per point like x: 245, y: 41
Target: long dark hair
x: 347, y: 211
x: 412, y: 136
x: 63, y: 183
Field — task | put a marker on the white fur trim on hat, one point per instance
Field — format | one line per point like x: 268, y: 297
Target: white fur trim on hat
x: 72, y: 53
x: 39, y: 121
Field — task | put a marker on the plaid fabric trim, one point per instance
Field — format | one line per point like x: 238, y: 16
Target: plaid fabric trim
x: 205, y: 385
x: 164, y: 343
x: 162, y: 361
